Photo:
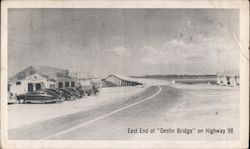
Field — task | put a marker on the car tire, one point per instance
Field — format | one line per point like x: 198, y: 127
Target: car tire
x: 22, y: 101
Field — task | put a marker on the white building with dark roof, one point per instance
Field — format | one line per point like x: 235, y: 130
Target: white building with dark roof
x: 30, y: 83
x: 38, y: 77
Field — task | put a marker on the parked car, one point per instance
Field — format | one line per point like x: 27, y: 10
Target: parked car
x: 62, y: 93
x: 37, y: 97
x: 11, y: 98
x: 81, y: 91
x: 92, y: 90
x: 55, y: 93
x: 75, y: 92
x: 67, y: 94
x: 74, y: 95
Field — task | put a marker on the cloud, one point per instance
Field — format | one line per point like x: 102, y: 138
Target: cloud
x: 152, y: 55
x: 210, y: 53
x: 171, y: 51
x: 121, y: 51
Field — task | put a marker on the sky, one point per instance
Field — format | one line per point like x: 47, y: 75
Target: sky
x: 100, y: 42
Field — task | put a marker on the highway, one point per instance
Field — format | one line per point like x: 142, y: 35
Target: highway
x: 165, y: 108
x: 109, y: 122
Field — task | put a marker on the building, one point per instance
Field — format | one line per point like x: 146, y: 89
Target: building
x: 65, y: 82
x: 119, y: 80
x: 228, y: 78
x: 38, y: 77
x: 83, y: 82
x: 30, y: 83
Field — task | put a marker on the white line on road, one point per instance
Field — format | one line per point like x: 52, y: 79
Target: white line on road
x: 101, y: 117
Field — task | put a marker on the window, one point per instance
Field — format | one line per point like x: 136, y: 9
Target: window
x: 30, y: 87
x: 66, y: 84
x: 72, y: 84
x: 18, y: 83
x: 60, y: 85
x: 38, y: 86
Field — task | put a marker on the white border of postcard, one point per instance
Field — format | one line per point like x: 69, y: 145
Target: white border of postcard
x: 244, y: 73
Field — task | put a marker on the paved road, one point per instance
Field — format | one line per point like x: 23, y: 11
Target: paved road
x: 110, y: 122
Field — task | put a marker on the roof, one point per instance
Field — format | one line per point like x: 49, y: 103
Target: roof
x: 123, y: 77
x: 45, y: 71
x: 35, y: 76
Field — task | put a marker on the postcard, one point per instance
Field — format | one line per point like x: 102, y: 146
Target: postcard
x: 124, y: 74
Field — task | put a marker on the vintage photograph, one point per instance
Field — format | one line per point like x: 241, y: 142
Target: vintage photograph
x: 117, y: 74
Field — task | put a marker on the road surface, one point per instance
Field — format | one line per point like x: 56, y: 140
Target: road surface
x: 114, y: 118
x: 155, y: 107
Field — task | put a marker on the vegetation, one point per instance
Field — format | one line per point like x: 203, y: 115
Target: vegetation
x: 185, y: 79
x: 176, y: 76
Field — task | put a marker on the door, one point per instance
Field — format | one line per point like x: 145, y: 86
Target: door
x: 30, y: 87
x: 66, y: 84
x: 38, y: 86
x: 60, y: 85
x: 72, y: 84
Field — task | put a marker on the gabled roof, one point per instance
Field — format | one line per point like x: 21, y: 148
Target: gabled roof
x: 35, y: 76
x: 45, y: 71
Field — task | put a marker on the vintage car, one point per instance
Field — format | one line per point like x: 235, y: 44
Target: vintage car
x: 37, y: 97
x: 91, y: 90
x: 81, y: 91
x: 11, y: 98
x: 67, y: 94
x: 56, y: 94
x: 64, y: 95
x: 75, y: 92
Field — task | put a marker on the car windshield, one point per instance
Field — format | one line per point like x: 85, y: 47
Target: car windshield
x: 71, y: 89
x: 65, y: 91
